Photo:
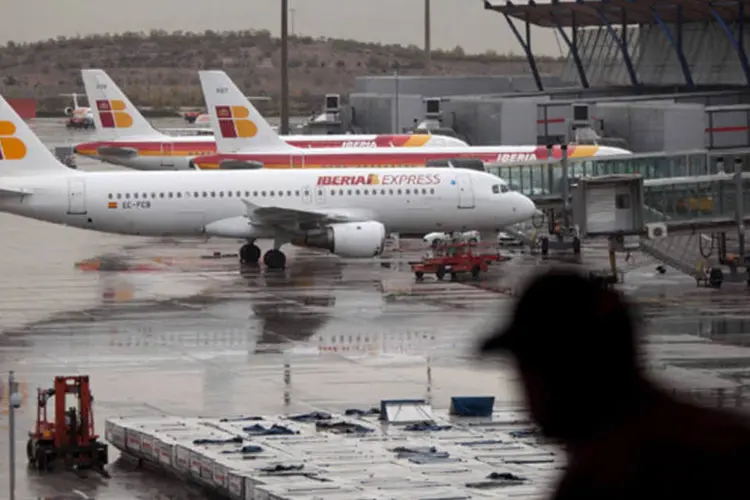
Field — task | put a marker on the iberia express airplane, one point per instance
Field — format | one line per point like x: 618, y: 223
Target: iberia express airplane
x: 300, y: 207
x: 244, y: 137
x: 124, y: 137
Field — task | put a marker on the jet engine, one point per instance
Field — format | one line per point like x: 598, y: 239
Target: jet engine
x: 240, y: 165
x: 68, y: 111
x: 348, y: 239
x: 230, y: 165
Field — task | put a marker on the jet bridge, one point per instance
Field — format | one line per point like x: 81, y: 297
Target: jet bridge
x: 683, y: 193
x: 609, y: 206
x: 686, y: 191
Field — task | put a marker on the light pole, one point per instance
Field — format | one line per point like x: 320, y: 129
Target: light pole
x: 396, y: 97
x: 284, y: 124
x: 14, y: 402
x: 427, y: 38
x: 292, y: 11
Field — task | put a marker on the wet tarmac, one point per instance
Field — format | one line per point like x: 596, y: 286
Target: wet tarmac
x: 163, y: 326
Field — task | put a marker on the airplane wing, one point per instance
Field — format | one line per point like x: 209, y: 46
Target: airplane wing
x: 292, y: 218
x: 114, y: 153
x: 8, y: 191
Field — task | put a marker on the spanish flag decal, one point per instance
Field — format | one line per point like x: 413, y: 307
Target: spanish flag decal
x: 112, y: 204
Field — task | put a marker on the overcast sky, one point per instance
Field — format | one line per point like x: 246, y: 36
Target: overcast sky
x: 454, y: 22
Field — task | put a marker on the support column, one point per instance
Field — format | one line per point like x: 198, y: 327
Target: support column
x: 618, y: 40
x: 565, y: 184
x: 573, y: 47
x: 526, y: 45
x: 740, y: 209
x: 736, y: 41
x: 676, y: 44
x: 624, y: 27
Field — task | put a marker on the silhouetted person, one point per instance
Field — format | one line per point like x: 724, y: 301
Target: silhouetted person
x: 575, y: 348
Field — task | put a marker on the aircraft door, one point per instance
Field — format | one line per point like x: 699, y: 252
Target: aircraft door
x: 76, y: 197
x: 167, y: 160
x: 465, y: 191
x: 307, y: 194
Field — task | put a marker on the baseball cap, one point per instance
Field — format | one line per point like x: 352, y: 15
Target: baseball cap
x: 563, y: 314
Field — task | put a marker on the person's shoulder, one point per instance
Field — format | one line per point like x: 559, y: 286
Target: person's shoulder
x: 706, y: 428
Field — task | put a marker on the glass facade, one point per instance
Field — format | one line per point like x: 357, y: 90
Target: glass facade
x: 673, y: 190
x: 545, y: 178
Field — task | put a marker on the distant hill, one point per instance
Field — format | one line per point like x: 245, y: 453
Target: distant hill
x: 159, y: 69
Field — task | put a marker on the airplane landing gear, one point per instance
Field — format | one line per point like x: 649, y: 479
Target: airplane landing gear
x: 250, y: 254
x: 274, y: 259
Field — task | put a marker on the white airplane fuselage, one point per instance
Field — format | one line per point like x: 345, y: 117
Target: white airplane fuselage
x: 181, y: 153
x: 166, y: 152
x: 183, y: 203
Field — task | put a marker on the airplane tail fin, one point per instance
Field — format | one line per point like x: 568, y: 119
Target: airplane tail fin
x: 114, y: 114
x: 237, y: 125
x: 21, y: 151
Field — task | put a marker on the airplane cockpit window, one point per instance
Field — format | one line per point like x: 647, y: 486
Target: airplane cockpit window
x: 496, y: 189
x: 500, y: 188
x: 504, y: 188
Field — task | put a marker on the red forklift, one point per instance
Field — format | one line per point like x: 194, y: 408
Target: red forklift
x: 69, y: 439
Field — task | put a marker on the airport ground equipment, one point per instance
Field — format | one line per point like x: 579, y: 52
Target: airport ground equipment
x: 66, y: 155
x: 549, y: 187
x: 69, y: 438
x: 455, y: 259
x: 709, y: 276
x: 612, y: 207
x: 79, y: 123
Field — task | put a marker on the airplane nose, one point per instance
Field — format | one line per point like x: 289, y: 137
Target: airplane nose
x: 523, y: 207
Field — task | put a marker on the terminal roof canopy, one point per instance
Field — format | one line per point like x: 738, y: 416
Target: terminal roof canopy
x: 594, y: 12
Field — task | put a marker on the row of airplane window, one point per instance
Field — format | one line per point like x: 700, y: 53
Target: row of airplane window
x: 299, y: 165
x: 255, y: 194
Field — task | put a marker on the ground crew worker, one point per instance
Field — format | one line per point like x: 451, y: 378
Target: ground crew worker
x: 71, y: 421
x: 732, y: 262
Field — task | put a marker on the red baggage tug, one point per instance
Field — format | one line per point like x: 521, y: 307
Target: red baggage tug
x: 455, y: 259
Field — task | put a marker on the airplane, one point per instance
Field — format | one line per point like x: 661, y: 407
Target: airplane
x: 245, y: 139
x: 196, y: 117
x: 127, y: 139
x: 78, y: 116
x: 347, y: 212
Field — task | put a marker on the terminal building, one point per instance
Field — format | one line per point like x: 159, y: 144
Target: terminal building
x: 665, y: 79
x: 654, y: 75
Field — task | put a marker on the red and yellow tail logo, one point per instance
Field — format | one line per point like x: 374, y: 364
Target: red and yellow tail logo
x: 234, y: 122
x: 112, y: 114
x: 11, y: 147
